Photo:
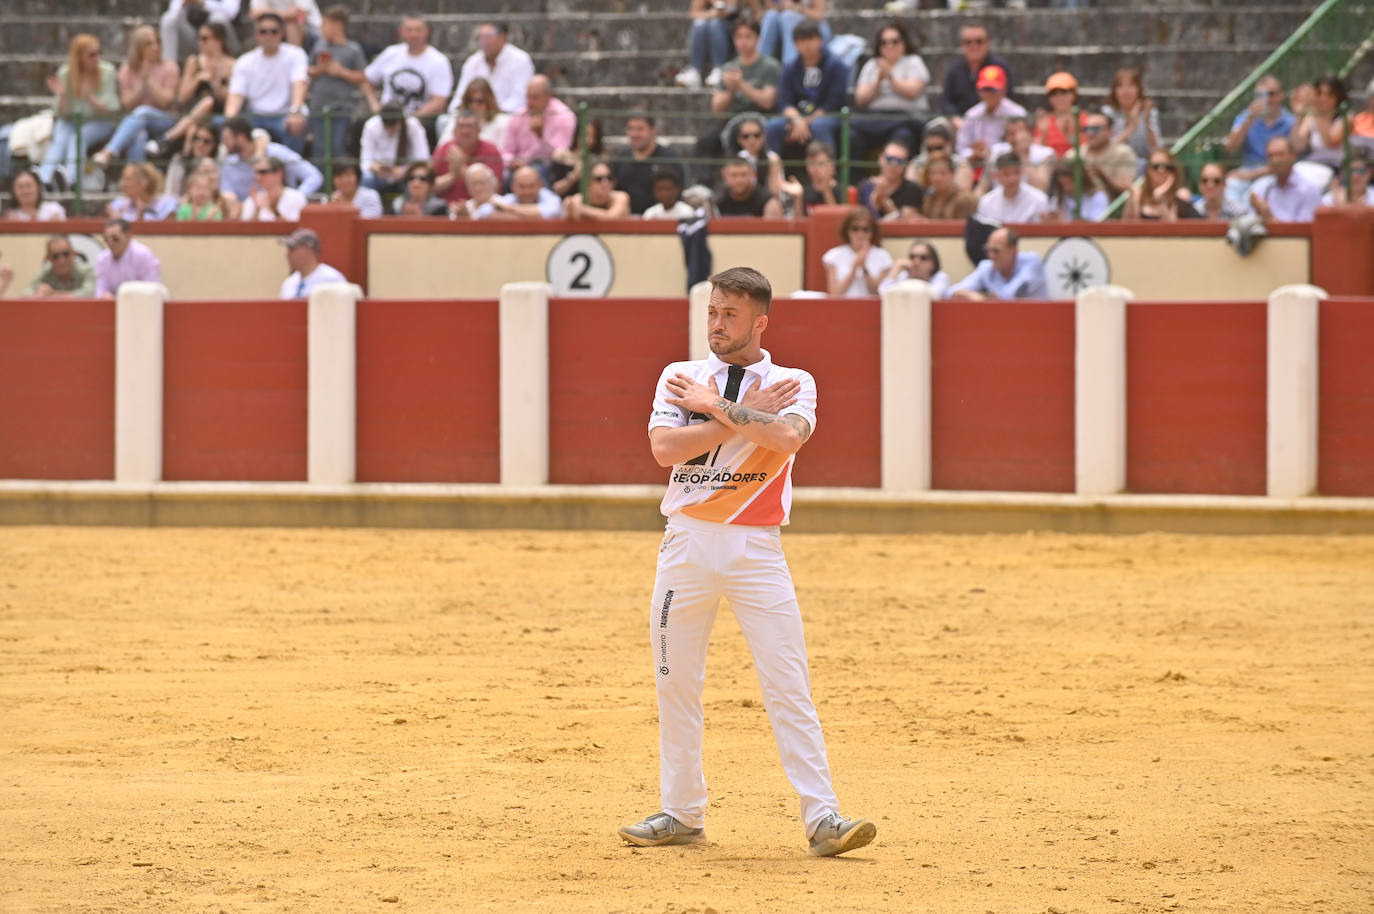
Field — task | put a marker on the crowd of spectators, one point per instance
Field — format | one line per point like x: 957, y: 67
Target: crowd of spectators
x: 197, y: 128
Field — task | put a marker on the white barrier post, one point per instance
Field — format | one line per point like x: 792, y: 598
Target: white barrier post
x: 905, y: 386
x: 1292, y: 391
x: 1099, y: 390
x: 138, y: 382
x: 332, y: 402
x: 524, y: 329
x: 698, y: 346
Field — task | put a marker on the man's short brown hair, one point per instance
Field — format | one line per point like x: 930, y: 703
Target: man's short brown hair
x: 338, y: 13
x: 745, y: 281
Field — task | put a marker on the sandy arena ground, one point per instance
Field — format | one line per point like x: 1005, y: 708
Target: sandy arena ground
x: 383, y: 720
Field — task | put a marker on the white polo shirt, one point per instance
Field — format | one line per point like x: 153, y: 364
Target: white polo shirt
x: 265, y: 82
x: 508, y: 78
x: 296, y: 286
x: 738, y: 482
x: 1028, y: 205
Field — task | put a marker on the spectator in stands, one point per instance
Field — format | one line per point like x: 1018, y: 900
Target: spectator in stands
x: 855, y: 268
x: 921, y: 262
x: 566, y: 170
x: 748, y: 83
x: 708, y: 40
x: 413, y: 74
x: 141, y: 198
x: 1318, y: 132
x: 1013, y: 200
x: 778, y: 27
x: 229, y: 202
x: 204, y: 88
x: 269, y: 85
x: 493, y: 119
x: 27, y: 203
x: 1362, y: 124
x: 391, y: 142
x: 543, y: 128
x: 1251, y: 132
x: 811, y: 93
x: 64, y: 275
x: 1006, y: 273
x: 505, y: 68
x: 185, y: 18
x: 482, y: 189
x: 1283, y: 195
x: 418, y: 198
x: 1133, y: 115
x: 1054, y: 127
x: 668, y: 197
x: 301, y: 19
x: 890, y: 94
x: 349, y: 189
x: 84, y: 91
x: 939, y: 140
x: 240, y: 150
x: 602, y: 200
x: 529, y: 198
x: 888, y: 194
x: 123, y: 260
x: 203, y: 201
x: 985, y: 123
x: 1108, y: 166
x: 943, y: 197
x: 307, y: 272
x: 820, y: 187
x: 1037, y: 160
x: 960, y: 90
x: 337, y: 84
x: 1211, y: 201
x: 1163, y: 193
x: 1361, y: 193
x: 635, y: 166
x: 271, y: 200
x: 453, y: 157
x: 148, y: 91
x: 749, y: 144
x: 742, y: 195
x: 201, y: 145
x: 1070, y: 200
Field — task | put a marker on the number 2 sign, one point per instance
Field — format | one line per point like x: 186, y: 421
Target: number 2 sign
x: 581, y: 265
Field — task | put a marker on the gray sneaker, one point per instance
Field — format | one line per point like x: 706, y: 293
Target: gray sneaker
x: 660, y: 830
x: 837, y: 834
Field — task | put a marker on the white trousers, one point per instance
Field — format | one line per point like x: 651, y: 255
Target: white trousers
x: 698, y: 563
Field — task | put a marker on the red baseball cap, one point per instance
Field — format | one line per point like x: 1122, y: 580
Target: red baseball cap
x: 992, y: 77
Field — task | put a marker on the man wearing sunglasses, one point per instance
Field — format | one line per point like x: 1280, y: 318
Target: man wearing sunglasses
x: 1107, y: 166
x: 183, y: 17
x: 960, y: 89
x: 888, y: 194
x: 269, y: 84
x: 64, y: 275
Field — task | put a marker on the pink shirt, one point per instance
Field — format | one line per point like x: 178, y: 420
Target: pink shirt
x: 165, y: 76
x: 560, y: 127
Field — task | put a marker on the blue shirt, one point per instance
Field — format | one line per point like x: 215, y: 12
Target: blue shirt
x: 823, y: 89
x: 1028, y: 281
x: 236, y: 174
x: 1252, y: 151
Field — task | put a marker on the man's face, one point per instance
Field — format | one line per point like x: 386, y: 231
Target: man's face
x: 299, y: 257
x: 480, y: 186
x: 346, y: 182
x: 536, y: 95
x: 1096, y: 132
x: 733, y: 322
x: 466, y: 131
x: 236, y: 143
x: 1009, y: 176
x: 116, y: 240
x: 1280, y: 158
x: 60, y: 257
x: 746, y: 42
x: 820, y: 169
x: 331, y: 30
x: 809, y: 49
x: 490, y: 40
x: 414, y: 33
x: 1273, y: 94
x: 991, y: 97
x: 739, y: 179
x: 525, y: 185
x: 893, y: 162
x: 1018, y: 134
x: 1002, y: 254
x: 269, y: 35
x: 640, y: 134
x: 973, y: 42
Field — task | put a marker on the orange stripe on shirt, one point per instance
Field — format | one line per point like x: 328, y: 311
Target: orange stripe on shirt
x: 766, y: 508
x: 723, y: 505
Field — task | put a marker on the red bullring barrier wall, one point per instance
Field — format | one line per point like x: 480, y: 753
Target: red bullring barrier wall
x: 1345, y: 384
x: 1195, y: 398
x: 234, y: 381
x: 1002, y: 407
x: 57, y: 389
x: 428, y: 376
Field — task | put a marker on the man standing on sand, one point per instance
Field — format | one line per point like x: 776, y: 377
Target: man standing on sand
x: 729, y: 491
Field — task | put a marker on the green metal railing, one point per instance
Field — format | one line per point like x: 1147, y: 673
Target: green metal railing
x: 1333, y: 39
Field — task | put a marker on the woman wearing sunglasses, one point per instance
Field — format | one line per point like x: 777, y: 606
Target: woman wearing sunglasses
x: 854, y: 269
x: 1211, y: 201
x: 1162, y: 195
x: 602, y: 200
x: 890, y: 93
x: 921, y: 262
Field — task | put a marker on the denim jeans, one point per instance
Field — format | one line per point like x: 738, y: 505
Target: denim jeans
x: 775, y: 34
x: 276, y: 125
x: 709, y: 35
x: 823, y: 129
x: 340, y: 126
x: 132, y: 136
x: 62, y: 149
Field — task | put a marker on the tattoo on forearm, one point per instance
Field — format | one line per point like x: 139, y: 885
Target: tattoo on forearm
x: 801, y: 425
x: 743, y: 415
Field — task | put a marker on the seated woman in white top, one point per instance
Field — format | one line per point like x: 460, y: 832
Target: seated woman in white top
x: 890, y: 91
x: 271, y: 200
x: 854, y: 269
x: 921, y: 262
